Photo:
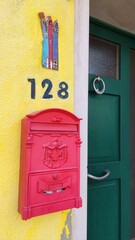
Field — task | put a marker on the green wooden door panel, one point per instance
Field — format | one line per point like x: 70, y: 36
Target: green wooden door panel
x: 105, y: 197
x: 104, y: 126
x: 108, y: 147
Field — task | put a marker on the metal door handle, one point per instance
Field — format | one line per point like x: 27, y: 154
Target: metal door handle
x: 102, y: 85
x: 107, y: 173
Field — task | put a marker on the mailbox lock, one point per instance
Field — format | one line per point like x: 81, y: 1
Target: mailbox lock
x: 55, y: 176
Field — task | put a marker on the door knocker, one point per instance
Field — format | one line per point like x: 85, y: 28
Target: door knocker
x: 101, y: 88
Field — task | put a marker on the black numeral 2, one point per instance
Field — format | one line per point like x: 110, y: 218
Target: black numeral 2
x: 48, y: 83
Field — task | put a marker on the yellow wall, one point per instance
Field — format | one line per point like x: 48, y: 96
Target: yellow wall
x: 20, y: 59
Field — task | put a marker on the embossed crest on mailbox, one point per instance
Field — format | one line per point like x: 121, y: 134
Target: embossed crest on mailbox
x: 50, y: 163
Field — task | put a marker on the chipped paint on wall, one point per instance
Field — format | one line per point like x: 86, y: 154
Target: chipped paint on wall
x: 67, y: 230
x: 20, y: 59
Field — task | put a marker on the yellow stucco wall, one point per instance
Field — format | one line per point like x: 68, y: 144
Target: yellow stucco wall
x: 20, y: 59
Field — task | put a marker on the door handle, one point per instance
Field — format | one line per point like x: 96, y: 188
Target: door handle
x: 107, y: 173
x: 102, y: 85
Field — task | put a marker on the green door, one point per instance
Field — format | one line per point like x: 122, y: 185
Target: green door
x: 108, y: 135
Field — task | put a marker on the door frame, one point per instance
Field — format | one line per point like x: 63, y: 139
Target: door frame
x: 81, y: 42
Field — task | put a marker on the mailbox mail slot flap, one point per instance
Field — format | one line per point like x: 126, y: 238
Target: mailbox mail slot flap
x: 41, y: 126
x: 51, y: 186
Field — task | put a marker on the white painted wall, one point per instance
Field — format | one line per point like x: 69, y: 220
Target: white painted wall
x: 120, y: 13
x: 81, y: 107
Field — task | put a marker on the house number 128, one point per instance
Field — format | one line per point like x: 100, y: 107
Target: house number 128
x: 47, y: 85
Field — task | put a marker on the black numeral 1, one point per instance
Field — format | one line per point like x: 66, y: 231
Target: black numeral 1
x: 33, y: 87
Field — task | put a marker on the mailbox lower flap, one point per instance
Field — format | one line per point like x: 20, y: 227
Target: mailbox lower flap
x: 45, y: 187
x: 53, y: 186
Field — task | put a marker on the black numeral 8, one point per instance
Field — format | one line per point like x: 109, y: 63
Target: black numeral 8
x: 62, y: 92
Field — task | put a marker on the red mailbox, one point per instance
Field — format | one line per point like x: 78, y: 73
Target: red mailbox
x: 50, y: 163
